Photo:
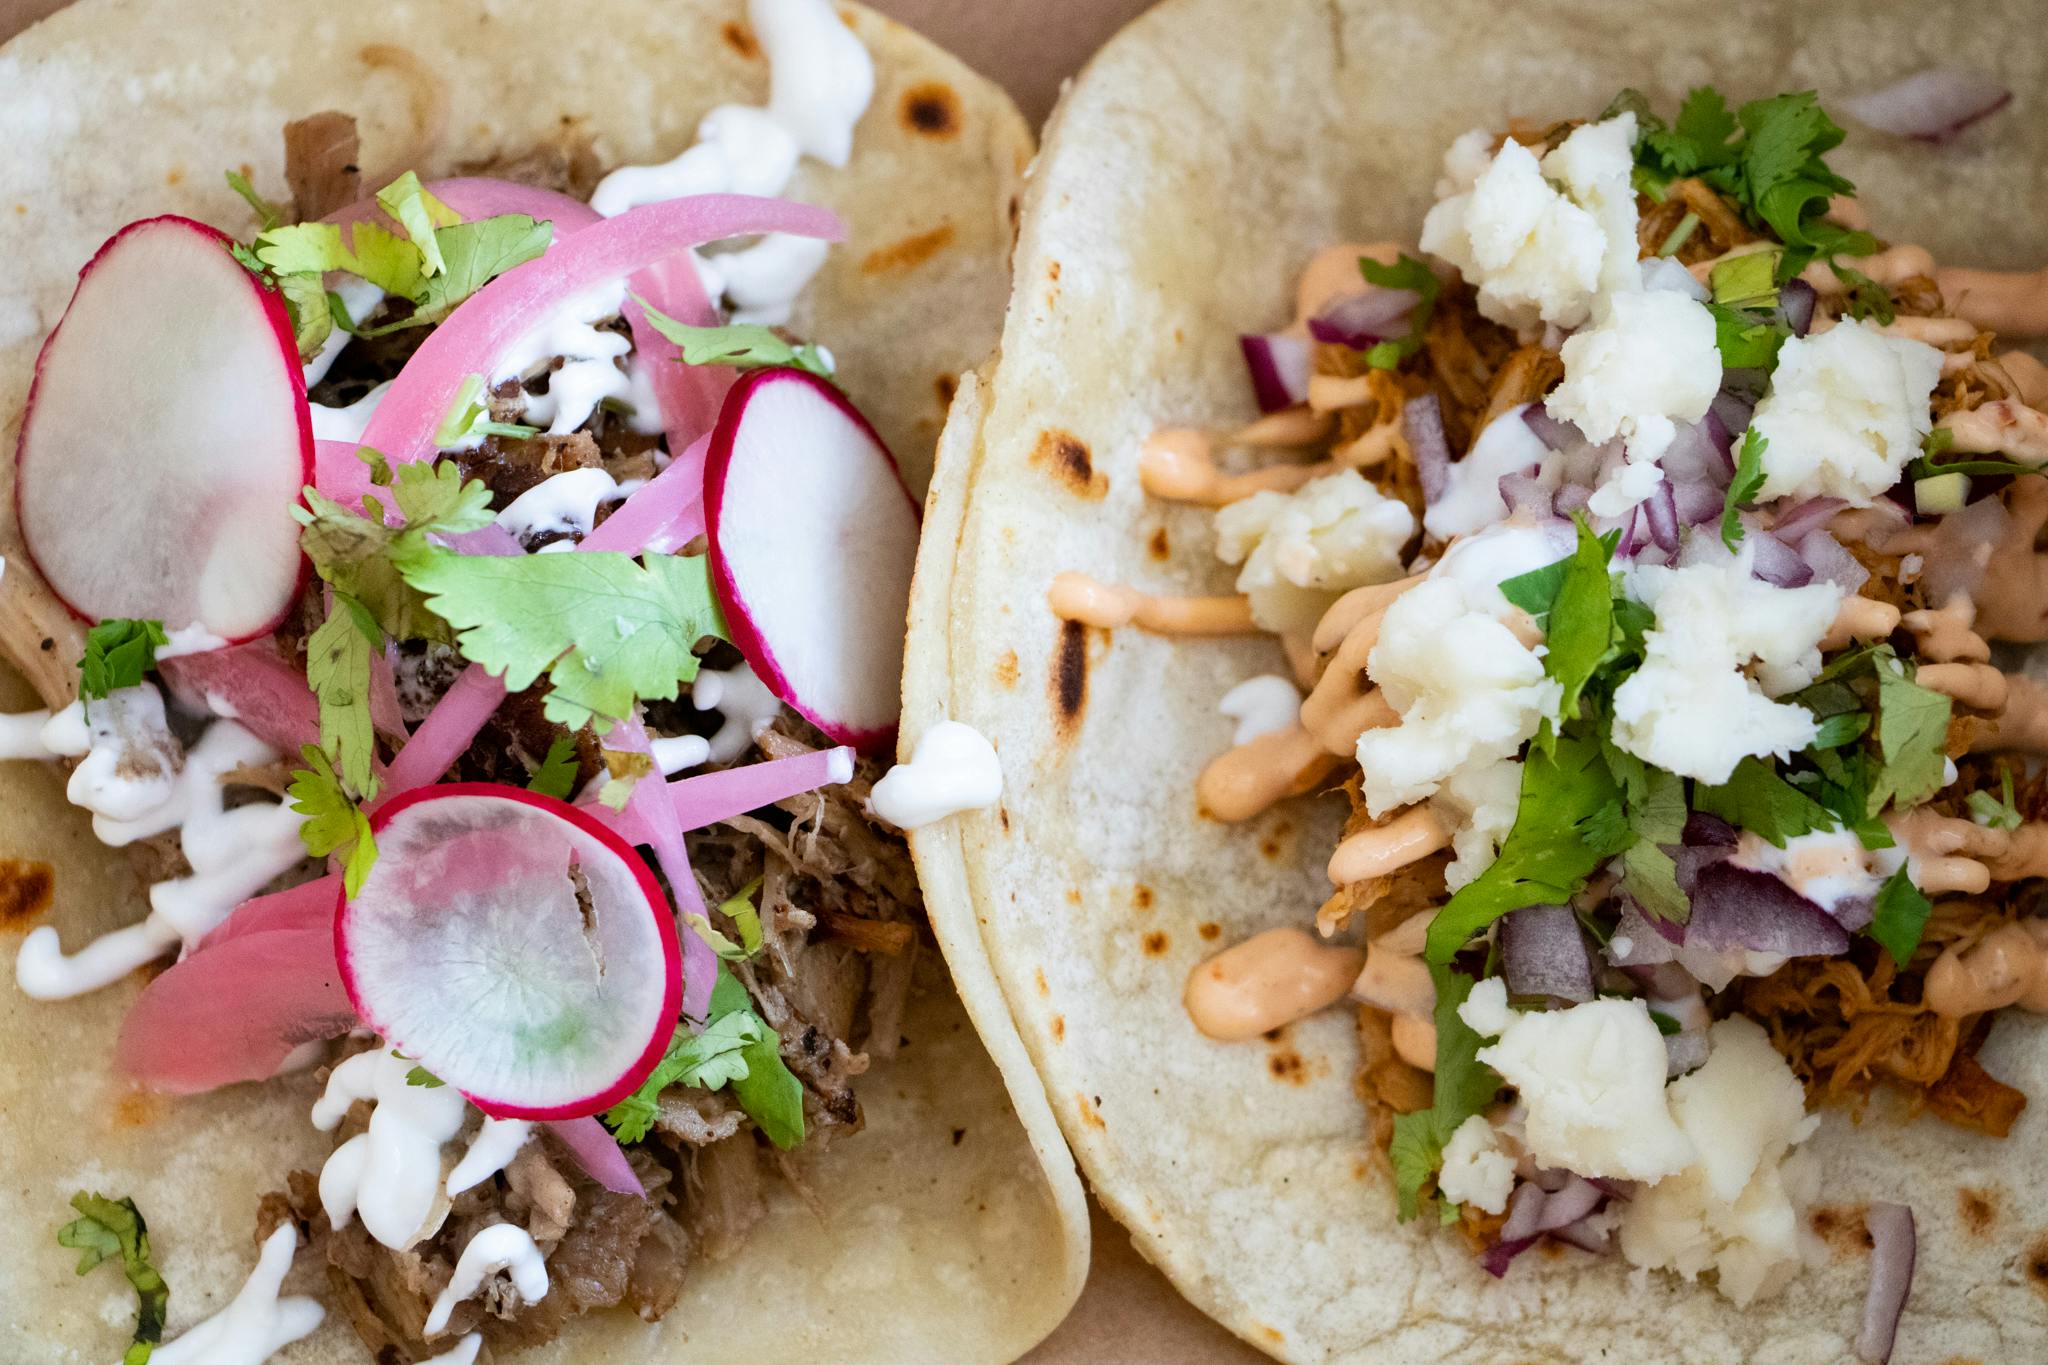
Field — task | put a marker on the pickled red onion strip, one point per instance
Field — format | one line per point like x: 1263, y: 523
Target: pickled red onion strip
x: 690, y: 395
x: 658, y: 516
x: 446, y: 732
x: 309, y: 905
x: 654, y: 808
x: 254, y: 684
x: 338, y: 474
x: 711, y: 797
x: 598, y: 1153
x: 479, y: 332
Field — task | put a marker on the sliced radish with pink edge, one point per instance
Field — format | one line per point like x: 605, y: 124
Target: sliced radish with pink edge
x: 813, y: 537
x: 166, y: 439
x: 470, y: 949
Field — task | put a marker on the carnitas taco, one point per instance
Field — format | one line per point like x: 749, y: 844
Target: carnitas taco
x: 458, y: 562
x: 1499, y: 552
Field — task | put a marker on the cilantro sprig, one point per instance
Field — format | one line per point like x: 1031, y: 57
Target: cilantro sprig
x: 1464, y: 1086
x: 109, y: 1229
x: 118, y: 653
x: 739, y: 908
x: 736, y: 1048
x: 744, y: 346
x: 334, y: 823
x: 1743, y: 488
x: 1899, y: 916
x: 556, y: 775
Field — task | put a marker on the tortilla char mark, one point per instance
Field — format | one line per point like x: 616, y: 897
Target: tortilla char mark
x: 26, y: 888
x: 1070, y: 674
x: 1066, y: 456
x: 909, y: 253
x: 740, y: 39
x: 931, y: 109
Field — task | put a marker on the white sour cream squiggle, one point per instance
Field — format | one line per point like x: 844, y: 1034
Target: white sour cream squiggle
x: 258, y: 1323
x: 233, y: 853
x: 953, y: 769
x: 502, y: 1246
x: 391, y: 1174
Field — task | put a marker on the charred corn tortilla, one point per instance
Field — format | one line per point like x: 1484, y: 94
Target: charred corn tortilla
x: 1190, y: 173
x: 952, y: 1228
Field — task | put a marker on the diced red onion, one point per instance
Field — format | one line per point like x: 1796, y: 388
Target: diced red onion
x: 1422, y: 422
x: 1533, y: 1210
x: 1708, y: 830
x: 1358, y: 320
x: 1698, y: 503
x: 1650, y: 942
x: 1570, y: 499
x: 1525, y: 1210
x: 1279, y: 365
x: 1683, y: 1052
x: 1698, y: 454
x: 1660, y: 516
x: 1732, y: 408
x: 1741, y: 908
x: 1894, y: 1245
x: 1931, y: 105
x: 1543, y: 953
x: 1794, y: 522
x: 1854, y: 912
x: 1795, y: 304
x: 1526, y: 493
x: 1831, y: 563
x: 1496, y: 1258
x: 1584, y: 1237
x: 1776, y: 562
x: 1549, y: 430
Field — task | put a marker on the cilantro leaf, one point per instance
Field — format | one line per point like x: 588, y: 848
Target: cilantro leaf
x: 1536, y: 591
x: 744, y: 346
x: 606, y: 629
x: 308, y: 302
x: 1748, y: 482
x: 1464, y: 1086
x: 1755, y: 798
x: 1867, y: 298
x: 1580, y: 631
x: 1698, y: 140
x: 1746, y: 341
x: 424, y: 1079
x: 739, y: 908
x: 1405, y: 273
x: 334, y: 824
x: 1651, y: 878
x: 413, y: 208
x: 266, y: 212
x: 1607, y: 831
x: 474, y: 254
x: 371, y: 253
x: 360, y: 555
x: 742, y: 1052
x: 1899, y: 916
x: 1838, y: 730
x: 118, y: 653
x: 338, y: 670
x: 1996, y: 812
x: 108, y: 1228
x: 556, y: 775
x: 1912, y: 736
x: 1546, y: 858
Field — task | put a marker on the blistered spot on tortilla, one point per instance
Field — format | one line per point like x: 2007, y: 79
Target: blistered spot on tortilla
x: 1272, y: 1334
x: 908, y: 254
x: 945, y: 386
x: 1015, y: 207
x: 1066, y: 455
x: 1059, y: 1028
x: 959, y: 1134
x: 1210, y: 930
x: 1038, y: 978
x: 1052, y: 272
x: 1003, y: 813
x: 1073, y: 895
x: 1141, y: 897
x: 740, y: 39
x: 1006, y: 668
x: 1978, y: 1210
x: 1287, y: 1065
x: 931, y: 109
x: 175, y: 175
x: 1070, y: 673
x: 1840, y: 1228
x: 1091, y: 1113
x: 1158, y: 546
x: 137, y: 1109
x: 25, y: 891
x: 2035, y: 1263
x: 1155, y: 944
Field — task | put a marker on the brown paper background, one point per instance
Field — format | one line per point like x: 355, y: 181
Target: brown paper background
x: 1129, y: 1314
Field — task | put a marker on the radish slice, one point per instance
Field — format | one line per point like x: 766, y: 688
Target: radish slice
x: 166, y: 439
x: 812, y: 535
x: 516, y: 947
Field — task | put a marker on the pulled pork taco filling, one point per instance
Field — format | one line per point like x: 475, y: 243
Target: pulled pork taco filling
x: 537, y: 814
x: 1648, y: 545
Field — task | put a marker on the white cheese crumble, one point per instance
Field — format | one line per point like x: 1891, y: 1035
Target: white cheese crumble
x: 1592, y: 1079
x: 1479, y: 804
x: 1735, y: 1208
x: 1691, y: 708
x: 1476, y: 1170
x: 954, y: 768
x: 1264, y: 705
x: 1847, y: 408
x: 1301, y: 550
x: 1467, y: 689
x: 1534, y: 252
x: 1647, y: 365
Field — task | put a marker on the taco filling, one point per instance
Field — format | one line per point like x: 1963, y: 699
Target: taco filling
x: 1645, y: 543
x: 560, y: 486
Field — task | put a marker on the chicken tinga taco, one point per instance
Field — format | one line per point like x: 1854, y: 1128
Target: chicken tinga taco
x: 475, y: 607
x: 1645, y: 539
